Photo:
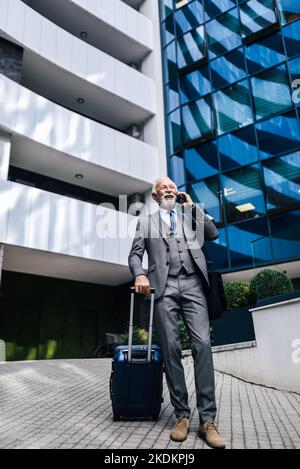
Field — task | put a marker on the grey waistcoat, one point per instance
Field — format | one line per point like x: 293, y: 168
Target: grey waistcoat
x: 180, y: 255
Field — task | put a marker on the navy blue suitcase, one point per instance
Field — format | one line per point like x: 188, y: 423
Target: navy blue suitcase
x: 136, y: 384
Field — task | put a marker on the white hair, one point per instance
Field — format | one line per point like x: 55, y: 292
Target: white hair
x: 154, y: 187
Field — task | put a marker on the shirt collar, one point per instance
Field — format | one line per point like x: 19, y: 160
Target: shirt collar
x: 163, y: 211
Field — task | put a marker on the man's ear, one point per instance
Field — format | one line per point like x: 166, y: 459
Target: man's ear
x: 155, y: 197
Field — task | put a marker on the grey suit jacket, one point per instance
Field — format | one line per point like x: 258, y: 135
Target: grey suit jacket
x: 152, y: 237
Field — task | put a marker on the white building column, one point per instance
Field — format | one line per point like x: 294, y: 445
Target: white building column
x: 1, y: 263
x: 154, y: 130
x: 2, y: 343
x: 5, y: 148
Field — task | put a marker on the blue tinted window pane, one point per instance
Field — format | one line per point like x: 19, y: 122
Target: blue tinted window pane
x: 243, y: 194
x: 182, y: 188
x: 217, y: 251
x: 282, y: 178
x: 291, y: 36
x: 294, y: 66
x: 197, y: 120
x: 271, y: 92
x: 257, y: 15
x: 223, y: 34
x: 289, y: 9
x: 177, y: 171
x: 228, y: 69
x: 241, y: 237
x: 202, y: 162
x: 191, y: 47
x: 208, y: 193
x: 286, y: 235
x: 189, y: 17
x: 279, y: 135
x: 168, y: 30
x: 233, y: 107
x: 166, y: 8
x: 216, y: 7
x: 170, y: 62
x: 194, y: 85
x: 238, y: 149
x: 174, y: 124
x: 265, y: 53
x: 172, y: 95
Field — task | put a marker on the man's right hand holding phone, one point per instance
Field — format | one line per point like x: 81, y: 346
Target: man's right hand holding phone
x: 185, y: 200
x: 142, y: 285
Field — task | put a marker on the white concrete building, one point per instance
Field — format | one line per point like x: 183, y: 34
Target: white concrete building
x: 81, y: 122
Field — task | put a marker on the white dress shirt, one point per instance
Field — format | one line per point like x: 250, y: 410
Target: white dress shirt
x: 165, y: 215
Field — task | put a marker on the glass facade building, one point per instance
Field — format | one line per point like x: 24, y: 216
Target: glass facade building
x: 232, y: 97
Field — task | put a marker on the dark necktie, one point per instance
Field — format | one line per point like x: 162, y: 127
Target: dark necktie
x: 173, y: 221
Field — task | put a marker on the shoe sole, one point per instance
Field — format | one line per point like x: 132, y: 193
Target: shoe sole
x: 209, y: 444
x: 177, y: 440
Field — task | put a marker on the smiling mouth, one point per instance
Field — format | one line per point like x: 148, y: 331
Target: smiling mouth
x: 169, y: 196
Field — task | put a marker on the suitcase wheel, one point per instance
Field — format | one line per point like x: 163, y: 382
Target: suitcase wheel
x: 155, y: 417
x: 116, y: 417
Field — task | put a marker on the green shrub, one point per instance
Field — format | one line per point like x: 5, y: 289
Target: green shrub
x: 140, y: 336
x: 269, y: 283
x: 238, y: 294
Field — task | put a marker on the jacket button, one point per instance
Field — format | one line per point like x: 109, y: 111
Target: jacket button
x: 168, y: 263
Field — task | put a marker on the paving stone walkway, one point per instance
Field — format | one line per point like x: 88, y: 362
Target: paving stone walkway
x: 66, y: 404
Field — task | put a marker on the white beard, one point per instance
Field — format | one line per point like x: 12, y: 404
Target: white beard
x: 167, y: 204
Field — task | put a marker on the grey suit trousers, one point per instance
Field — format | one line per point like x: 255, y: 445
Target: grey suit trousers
x: 184, y: 296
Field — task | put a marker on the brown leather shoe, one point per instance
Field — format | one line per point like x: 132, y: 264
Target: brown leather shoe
x: 180, y: 431
x: 209, y: 433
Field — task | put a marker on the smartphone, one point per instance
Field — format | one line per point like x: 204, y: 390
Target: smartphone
x: 181, y: 199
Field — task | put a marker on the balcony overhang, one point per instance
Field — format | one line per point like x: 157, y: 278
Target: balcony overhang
x: 56, y: 142
x: 60, y: 86
x: 136, y: 4
x: 53, y: 235
x: 32, y: 156
x: 30, y: 261
x: 100, y: 34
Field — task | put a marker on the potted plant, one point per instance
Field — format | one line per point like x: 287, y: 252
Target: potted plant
x: 236, y: 325
x: 271, y: 286
x: 238, y: 294
x: 276, y: 322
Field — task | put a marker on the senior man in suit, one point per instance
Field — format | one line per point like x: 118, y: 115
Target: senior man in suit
x: 173, y: 238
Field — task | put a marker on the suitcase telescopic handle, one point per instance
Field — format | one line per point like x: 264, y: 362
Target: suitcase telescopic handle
x: 150, y: 332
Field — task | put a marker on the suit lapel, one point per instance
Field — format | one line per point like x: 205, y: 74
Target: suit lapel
x: 188, y: 233
x: 181, y: 220
x: 160, y: 226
